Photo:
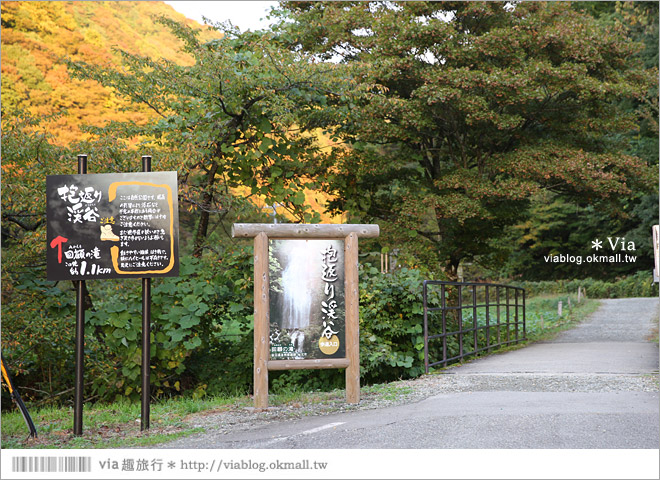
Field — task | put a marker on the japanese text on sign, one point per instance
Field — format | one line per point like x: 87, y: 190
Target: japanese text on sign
x: 112, y: 225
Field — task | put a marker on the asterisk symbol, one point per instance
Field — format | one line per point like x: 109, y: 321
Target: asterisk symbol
x: 597, y: 244
x: 171, y: 465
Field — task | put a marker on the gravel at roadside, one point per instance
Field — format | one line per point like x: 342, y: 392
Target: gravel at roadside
x: 411, y: 391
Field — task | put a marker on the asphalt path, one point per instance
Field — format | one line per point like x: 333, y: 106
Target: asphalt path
x: 587, y: 389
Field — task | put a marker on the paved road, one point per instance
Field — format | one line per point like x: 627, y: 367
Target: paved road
x: 592, y: 387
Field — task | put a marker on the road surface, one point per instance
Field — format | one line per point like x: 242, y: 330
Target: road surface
x: 594, y: 387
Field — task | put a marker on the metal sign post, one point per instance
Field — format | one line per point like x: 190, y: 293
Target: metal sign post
x: 146, y: 334
x: 80, y: 337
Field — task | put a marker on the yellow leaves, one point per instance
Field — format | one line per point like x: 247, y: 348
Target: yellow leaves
x: 43, y: 17
x: 93, y: 37
x: 35, y: 34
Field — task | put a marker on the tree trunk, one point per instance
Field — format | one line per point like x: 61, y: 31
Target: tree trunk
x: 451, y: 270
x: 205, y: 214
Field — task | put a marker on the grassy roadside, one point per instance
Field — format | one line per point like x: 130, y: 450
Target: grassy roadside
x: 117, y: 425
x: 543, y: 323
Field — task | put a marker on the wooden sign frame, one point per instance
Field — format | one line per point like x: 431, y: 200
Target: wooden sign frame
x: 262, y: 233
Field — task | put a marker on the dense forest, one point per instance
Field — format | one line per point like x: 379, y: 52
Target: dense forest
x: 483, y: 138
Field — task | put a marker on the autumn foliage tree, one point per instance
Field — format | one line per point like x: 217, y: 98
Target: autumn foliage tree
x: 556, y: 224
x: 37, y: 35
x: 232, y: 115
x: 467, y: 109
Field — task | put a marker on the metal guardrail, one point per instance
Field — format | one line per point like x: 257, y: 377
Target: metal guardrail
x: 473, y: 317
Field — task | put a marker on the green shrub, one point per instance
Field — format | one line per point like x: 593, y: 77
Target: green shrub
x: 190, y: 316
x: 38, y: 328
x: 180, y: 325
x: 638, y: 285
x: 391, y: 325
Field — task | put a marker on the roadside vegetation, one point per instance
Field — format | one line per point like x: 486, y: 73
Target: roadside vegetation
x: 117, y: 424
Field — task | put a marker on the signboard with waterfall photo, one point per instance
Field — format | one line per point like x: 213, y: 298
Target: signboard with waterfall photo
x: 307, y: 306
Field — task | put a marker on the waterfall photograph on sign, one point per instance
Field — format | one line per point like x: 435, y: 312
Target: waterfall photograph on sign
x: 307, y: 311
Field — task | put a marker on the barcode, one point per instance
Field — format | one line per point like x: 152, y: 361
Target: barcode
x: 51, y: 464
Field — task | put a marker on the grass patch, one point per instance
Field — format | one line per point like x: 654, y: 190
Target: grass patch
x: 543, y: 320
x: 115, y: 425
x: 387, y: 391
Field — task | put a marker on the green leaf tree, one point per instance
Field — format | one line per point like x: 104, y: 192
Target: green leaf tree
x: 232, y: 114
x: 557, y: 225
x: 464, y: 110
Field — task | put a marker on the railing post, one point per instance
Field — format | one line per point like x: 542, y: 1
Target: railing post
x: 517, y: 316
x: 508, y: 316
x: 460, y: 321
x: 524, y: 294
x: 487, y: 319
x: 499, y: 319
x: 426, y: 328
x: 443, y: 300
x: 475, y: 323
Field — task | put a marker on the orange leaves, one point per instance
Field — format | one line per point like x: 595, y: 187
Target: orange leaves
x: 36, y: 34
x: 11, y: 168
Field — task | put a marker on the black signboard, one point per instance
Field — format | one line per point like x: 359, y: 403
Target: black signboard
x: 114, y: 225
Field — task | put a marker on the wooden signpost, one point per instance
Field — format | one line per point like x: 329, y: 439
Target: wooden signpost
x: 305, y: 319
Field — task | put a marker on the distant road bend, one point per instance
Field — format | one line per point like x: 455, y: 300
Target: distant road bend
x: 595, y: 386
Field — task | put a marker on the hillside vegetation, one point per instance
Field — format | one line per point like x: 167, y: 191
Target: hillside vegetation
x: 36, y: 36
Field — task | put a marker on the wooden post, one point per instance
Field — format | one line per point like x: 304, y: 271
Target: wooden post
x: 352, y: 319
x: 261, y: 321
x: 559, y: 308
x: 579, y: 295
x: 303, y: 230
